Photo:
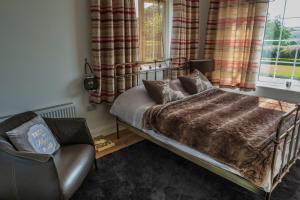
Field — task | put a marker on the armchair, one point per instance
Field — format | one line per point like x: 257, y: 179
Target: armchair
x: 25, y: 175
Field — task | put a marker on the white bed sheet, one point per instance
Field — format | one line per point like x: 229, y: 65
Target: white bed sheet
x: 130, y: 108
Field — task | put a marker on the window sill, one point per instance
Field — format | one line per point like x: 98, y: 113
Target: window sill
x: 294, y: 89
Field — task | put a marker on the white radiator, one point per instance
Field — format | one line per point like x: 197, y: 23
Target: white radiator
x: 67, y: 110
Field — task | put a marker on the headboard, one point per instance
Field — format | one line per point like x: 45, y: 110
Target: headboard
x: 161, y: 70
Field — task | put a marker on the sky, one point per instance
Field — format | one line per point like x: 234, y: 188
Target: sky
x: 292, y: 14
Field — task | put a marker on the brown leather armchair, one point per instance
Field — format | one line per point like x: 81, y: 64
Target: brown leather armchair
x: 25, y: 175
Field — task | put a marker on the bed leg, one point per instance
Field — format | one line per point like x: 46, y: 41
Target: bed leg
x: 117, y: 125
x: 268, y: 196
x: 95, y: 163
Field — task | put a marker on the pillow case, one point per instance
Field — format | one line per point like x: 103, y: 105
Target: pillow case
x: 161, y: 92
x: 195, y: 82
x: 34, y: 136
x: 177, y: 86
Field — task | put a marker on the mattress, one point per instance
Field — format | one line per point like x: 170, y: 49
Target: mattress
x: 130, y: 108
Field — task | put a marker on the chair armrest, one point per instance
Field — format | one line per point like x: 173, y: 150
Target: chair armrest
x: 28, y: 176
x: 40, y: 158
x: 70, y: 131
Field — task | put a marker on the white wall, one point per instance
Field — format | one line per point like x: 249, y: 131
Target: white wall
x: 43, y: 44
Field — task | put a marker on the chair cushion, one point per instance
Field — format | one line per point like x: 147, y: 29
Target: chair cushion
x: 34, y: 136
x: 73, y: 163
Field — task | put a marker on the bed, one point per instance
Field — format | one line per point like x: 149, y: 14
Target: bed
x: 283, y: 142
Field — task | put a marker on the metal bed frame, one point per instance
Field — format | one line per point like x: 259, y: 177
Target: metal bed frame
x: 289, y: 153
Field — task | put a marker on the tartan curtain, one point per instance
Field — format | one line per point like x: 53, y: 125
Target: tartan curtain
x: 234, y: 40
x: 185, y: 31
x: 114, y: 41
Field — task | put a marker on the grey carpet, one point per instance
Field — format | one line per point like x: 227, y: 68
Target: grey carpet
x: 145, y: 171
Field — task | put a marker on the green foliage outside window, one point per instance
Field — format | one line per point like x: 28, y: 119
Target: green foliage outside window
x: 285, y: 46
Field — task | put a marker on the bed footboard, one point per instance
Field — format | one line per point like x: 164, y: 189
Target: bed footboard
x: 285, y: 143
x: 289, y: 153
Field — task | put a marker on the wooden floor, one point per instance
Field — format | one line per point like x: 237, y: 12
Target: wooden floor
x: 126, y: 139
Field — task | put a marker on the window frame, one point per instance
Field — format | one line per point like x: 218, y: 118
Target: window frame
x: 277, y: 82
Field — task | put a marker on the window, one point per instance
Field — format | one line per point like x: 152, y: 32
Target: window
x: 152, y: 21
x: 280, y: 62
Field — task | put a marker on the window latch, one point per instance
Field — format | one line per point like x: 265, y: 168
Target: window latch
x: 288, y: 84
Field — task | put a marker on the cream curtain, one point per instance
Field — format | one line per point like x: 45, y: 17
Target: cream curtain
x: 234, y: 40
x: 185, y: 32
x: 114, y: 43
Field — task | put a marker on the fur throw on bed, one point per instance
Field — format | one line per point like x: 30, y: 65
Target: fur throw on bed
x: 232, y: 128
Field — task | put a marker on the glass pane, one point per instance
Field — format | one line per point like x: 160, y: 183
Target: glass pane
x: 283, y: 71
x: 292, y: 9
x: 268, y: 58
x: 287, y: 54
x: 276, y: 9
x: 281, y: 43
x: 153, y: 30
x: 291, y: 30
x: 292, y: 25
x: 271, y: 45
x: 297, y: 67
x: 274, y: 19
x: 269, y: 52
x: 285, y: 62
x: 288, y: 49
x: 267, y: 69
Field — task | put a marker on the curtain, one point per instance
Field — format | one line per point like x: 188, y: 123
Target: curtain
x: 185, y: 32
x: 114, y: 43
x: 234, y: 40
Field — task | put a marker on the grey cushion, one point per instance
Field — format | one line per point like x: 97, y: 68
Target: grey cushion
x: 177, y: 86
x: 195, y: 82
x: 161, y: 92
x: 34, y: 136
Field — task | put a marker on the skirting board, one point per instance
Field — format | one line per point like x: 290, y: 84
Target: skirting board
x: 105, y: 130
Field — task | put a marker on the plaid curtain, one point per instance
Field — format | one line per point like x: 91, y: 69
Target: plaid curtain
x: 234, y: 40
x: 114, y: 43
x: 185, y: 32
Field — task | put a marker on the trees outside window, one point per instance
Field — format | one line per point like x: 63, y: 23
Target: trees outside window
x: 151, y: 25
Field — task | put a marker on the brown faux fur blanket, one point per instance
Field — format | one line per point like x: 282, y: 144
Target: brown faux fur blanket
x: 232, y: 128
